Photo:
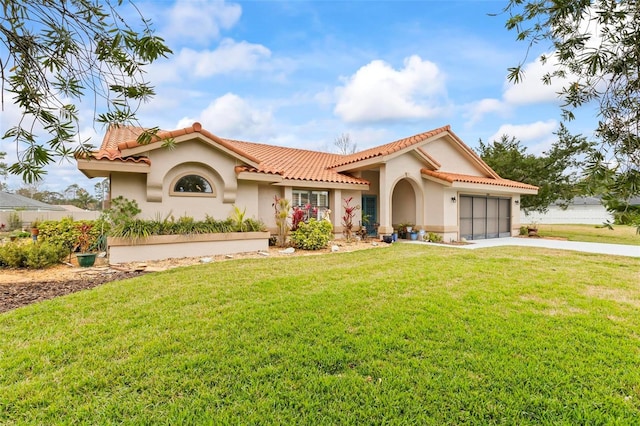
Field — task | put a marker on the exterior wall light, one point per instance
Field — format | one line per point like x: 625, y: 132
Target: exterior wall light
x: 516, y: 202
x: 453, y: 199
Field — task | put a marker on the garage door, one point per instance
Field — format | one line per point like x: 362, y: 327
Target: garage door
x: 484, y: 217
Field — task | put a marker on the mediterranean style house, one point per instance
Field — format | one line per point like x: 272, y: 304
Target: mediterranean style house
x: 432, y: 181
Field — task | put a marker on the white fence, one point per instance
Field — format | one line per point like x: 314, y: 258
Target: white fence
x: 574, y: 214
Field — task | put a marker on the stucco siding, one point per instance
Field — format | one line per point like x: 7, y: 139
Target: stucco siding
x: 450, y: 158
x: 434, y: 206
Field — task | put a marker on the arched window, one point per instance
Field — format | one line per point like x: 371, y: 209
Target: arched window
x: 193, y: 184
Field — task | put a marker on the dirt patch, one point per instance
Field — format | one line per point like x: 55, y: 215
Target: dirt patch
x: 19, y: 287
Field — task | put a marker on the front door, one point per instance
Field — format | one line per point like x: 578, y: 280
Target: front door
x: 370, y: 211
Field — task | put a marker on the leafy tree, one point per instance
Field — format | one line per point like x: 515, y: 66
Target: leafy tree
x: 3, y: 172
x: 555, y: 172
x: 49, y: 197
x: 101, y: 189
x: 71, y: 191
x: 596, y: 44
x: 57, y: 52
x: 83, y: 199
x: 344, y: 145
x: 29, y: 190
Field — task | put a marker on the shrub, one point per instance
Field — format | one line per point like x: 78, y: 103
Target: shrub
x: 312, y: 235
x: 14, y: 221
x: 523, y: 230
x: 66, y: 233
x: 12, y: 255
x: 43, y: 255
x: 34, y: 256
x: 434, y: 238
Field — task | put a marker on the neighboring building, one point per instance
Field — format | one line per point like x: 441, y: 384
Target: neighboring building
x: 431, y: 180
x: 26, y: 210
x: 13, y: 202
x: 581, y: 210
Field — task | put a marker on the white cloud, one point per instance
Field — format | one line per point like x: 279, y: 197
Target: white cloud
x: 536, y: 136
x: 531, y: 89
x: 200, y: 21
x: 231, y: 116
x: 229, y: 57
x: 477, y: 110
x: 379, y: 92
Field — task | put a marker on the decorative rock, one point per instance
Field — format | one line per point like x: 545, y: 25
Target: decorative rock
x: 263, y: 253
x: 228, y: 256
x: 288, y: 250
x: 374, y: 244
x: 206, y: 260
x: 335, y: 248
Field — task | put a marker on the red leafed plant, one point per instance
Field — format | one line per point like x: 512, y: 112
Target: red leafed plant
x: 84, y: 238
x: 347, y: 219
x: 296, y: 217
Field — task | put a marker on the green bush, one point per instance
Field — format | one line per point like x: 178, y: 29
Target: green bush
x: 12, y: 255
x: 14, y: 221
x: 33, y: 256
x: 312, y: 235
x: 43, y: 255
x: 65, y: 233
x: 185, y: 225
x: 434, y: 238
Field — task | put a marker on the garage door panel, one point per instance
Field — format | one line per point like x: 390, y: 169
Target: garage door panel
x: 484, y: 217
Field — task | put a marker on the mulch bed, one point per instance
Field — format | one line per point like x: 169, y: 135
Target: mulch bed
x: 13, y: 296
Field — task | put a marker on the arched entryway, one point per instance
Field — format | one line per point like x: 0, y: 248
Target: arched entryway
x: 403, y: 203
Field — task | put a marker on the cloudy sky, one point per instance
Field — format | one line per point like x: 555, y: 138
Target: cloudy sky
x: 300, y: 74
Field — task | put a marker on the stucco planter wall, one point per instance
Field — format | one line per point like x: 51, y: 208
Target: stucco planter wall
x: 158, y: 247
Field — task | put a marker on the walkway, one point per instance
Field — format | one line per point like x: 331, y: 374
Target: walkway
x: 599, y: 248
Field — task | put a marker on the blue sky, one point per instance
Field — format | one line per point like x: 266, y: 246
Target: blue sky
x: 300, y: 74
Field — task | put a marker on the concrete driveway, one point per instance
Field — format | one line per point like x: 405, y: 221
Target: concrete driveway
x: 612, y: 249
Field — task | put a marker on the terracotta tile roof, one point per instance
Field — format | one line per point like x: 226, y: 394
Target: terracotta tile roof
x: 195, y: 128
x: 297, y: 164
x: 115, y: 135
x: 455, y: 177
x: 388, y: 148
x: 293, y: 163
x: 290, y: 163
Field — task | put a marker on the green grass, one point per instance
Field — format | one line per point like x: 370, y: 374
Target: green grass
x: 408, y: 334
x: 620, y: 234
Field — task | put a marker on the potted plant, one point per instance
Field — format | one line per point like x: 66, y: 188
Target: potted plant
x: 532, y: 229
x: 34, y: 229
x: 85, y: 257
x: 414, y: 234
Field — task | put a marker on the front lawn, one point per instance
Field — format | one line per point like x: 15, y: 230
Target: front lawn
x: 620, y: 234
x: 408, y: 334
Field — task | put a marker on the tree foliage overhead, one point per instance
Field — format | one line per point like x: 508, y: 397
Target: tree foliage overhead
x: 556, y: 172
x: 52, y: 55
x: 596, y: 44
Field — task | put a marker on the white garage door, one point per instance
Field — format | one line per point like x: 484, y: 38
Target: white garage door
x: 484, y: 217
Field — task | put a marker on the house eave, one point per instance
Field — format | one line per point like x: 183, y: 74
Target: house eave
x: 259, y: 177
x: 100, y: 168
x: 323, y: 185
x: 481, y: 187
x: 142, y: 149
